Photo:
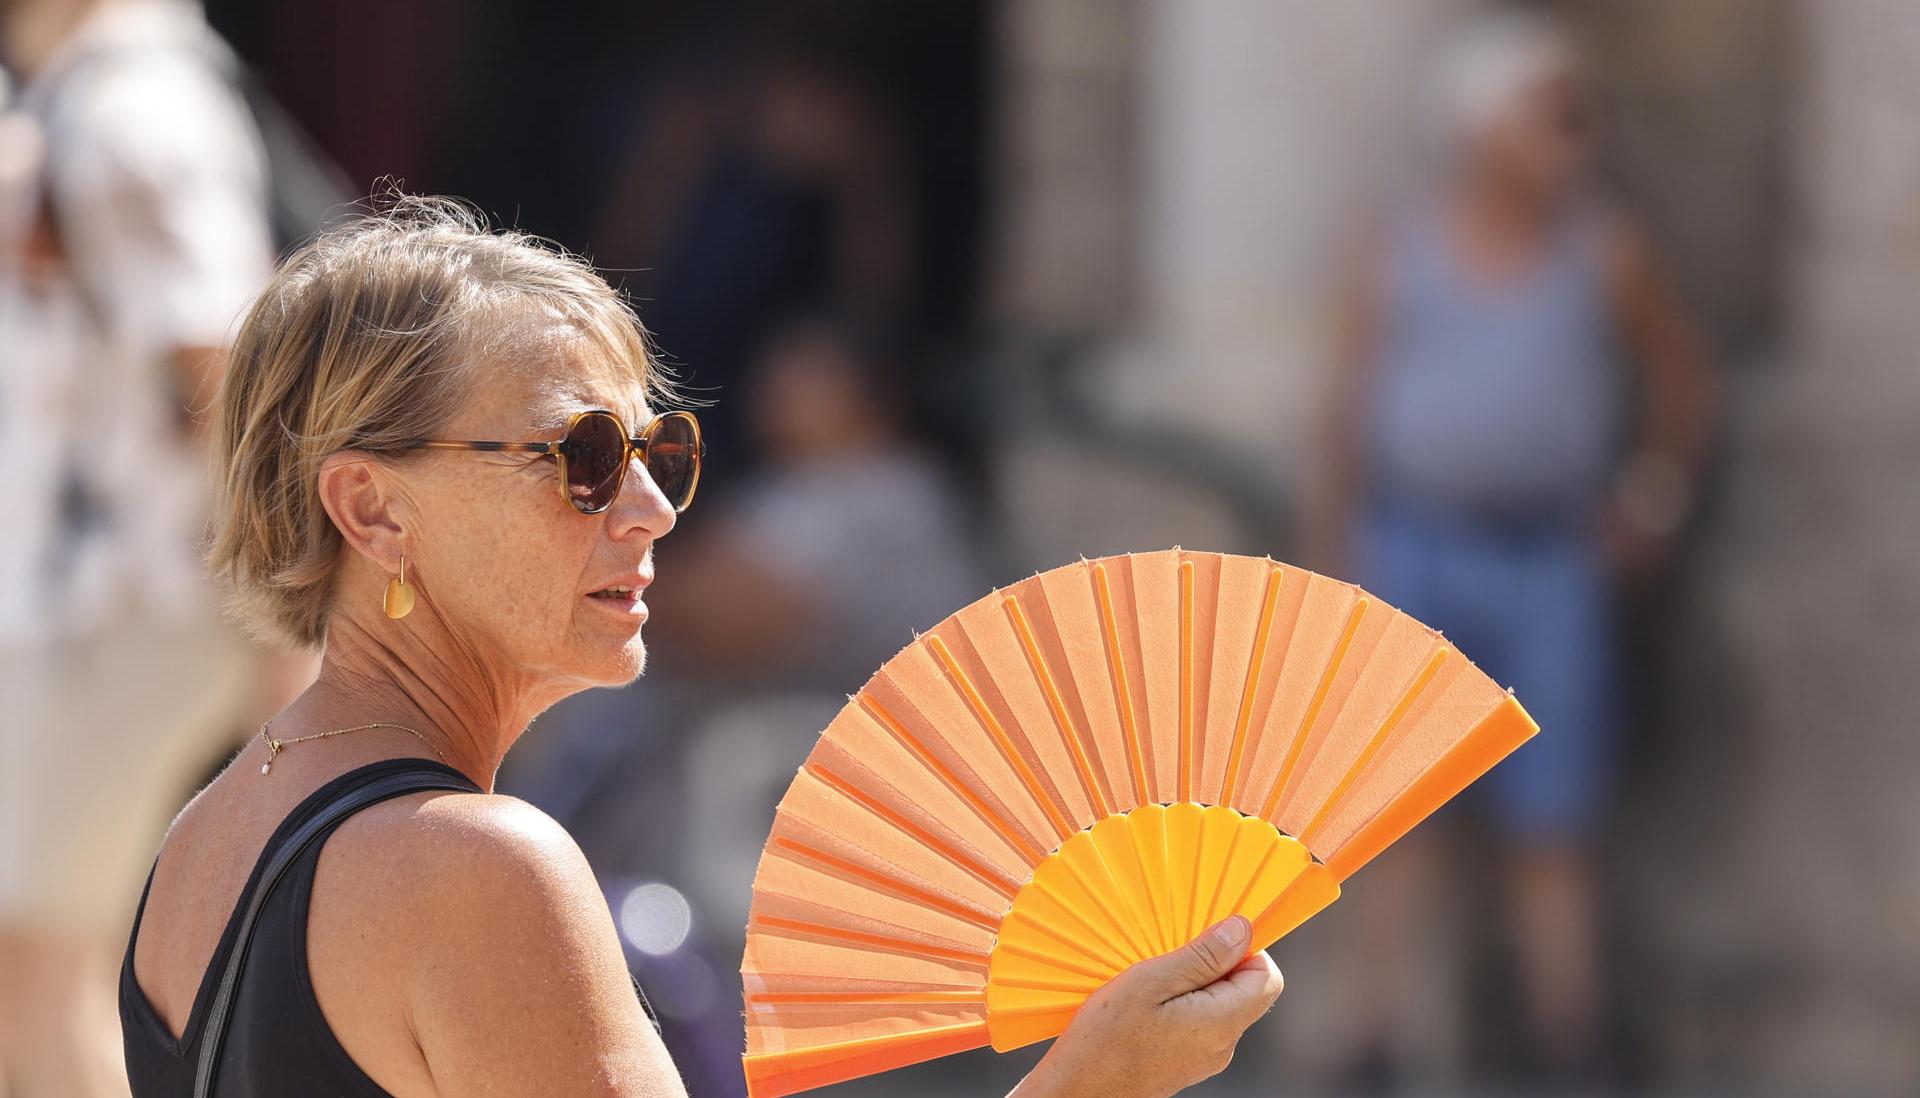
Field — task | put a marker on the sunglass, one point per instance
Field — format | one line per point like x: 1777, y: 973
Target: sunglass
x: 596, y: 450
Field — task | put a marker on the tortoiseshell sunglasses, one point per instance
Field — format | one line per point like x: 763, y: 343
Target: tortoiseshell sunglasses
x: 596, y: 450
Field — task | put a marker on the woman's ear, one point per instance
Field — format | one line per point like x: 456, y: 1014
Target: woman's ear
x: 366, y: 505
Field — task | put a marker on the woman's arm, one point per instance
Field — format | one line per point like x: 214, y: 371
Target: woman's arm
x: 513, y: 981
x: 1674, y: 390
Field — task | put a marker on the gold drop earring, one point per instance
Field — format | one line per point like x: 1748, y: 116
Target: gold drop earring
x: 399, y: 598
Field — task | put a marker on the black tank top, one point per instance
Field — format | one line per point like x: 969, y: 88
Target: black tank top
x: 278, y: 1043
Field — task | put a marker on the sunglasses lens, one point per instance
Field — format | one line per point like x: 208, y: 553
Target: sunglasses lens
x: 596, y: 452
x: 673, y: 457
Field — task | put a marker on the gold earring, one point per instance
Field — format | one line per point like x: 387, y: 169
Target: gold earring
x: 399, y: 600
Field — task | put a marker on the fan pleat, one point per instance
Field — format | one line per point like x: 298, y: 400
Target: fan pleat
x: 1155, y: 646
x: 1064, y: 620
x: 1072, y: 734
x: 804, y: 884
x: 1313, y: 617
x: 1468, y: 701
x: 1128, y: 697
x: 1386, y: 652
x: 819, y: 822
x: 1251, y: 688
x: 966, y: 761
x: 1012, y: 810
x: 888, y: 767
x: 991, y: 661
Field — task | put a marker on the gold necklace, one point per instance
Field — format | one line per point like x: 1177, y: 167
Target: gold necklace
x: 274, y: 746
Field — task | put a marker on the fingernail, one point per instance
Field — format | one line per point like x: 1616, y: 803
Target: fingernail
x: 1233, y: 931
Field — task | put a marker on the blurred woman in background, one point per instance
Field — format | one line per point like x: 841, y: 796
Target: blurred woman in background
x: 1497, y: 471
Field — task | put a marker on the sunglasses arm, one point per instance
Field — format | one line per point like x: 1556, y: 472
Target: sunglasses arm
x: 548, y: 448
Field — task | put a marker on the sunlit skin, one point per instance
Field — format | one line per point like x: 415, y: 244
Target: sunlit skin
x: 518, y: 972
x: 458, y: 943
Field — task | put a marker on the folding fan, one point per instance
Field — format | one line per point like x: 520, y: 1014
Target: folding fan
x: 1082, y: 771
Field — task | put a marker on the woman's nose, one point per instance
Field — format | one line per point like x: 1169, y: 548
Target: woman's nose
x: 641, y: 505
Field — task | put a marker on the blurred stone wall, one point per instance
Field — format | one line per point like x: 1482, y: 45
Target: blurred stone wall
x: 1782, y: 830
x: 1692, y: 122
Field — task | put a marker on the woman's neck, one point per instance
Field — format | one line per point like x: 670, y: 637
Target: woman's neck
x: 462, y: 713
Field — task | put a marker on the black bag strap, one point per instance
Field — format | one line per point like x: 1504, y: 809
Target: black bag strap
x: 385, y: 787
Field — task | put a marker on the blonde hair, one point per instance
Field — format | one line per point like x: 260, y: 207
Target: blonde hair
x: 362, y: 340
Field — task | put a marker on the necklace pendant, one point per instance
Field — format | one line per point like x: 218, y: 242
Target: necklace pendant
x: 266, y: 766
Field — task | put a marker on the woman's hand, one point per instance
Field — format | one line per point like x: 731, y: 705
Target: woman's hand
x: 1162, y: 1025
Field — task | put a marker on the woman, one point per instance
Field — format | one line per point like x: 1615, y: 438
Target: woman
x: 454, y: 942
x: 1501, y: 464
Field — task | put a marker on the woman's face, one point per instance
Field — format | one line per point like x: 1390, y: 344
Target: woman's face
x: 510, y: 565
x: 1538, y: 143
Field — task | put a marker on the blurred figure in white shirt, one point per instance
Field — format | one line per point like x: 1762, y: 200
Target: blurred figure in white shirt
x: 133, y: 230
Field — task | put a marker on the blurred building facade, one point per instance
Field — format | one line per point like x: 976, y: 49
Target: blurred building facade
x: 1174, y: 179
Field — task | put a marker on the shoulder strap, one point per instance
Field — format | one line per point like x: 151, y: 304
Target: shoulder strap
x: 382, y: 788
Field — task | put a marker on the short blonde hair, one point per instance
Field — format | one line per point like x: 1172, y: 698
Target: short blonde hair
x: 362, y: 340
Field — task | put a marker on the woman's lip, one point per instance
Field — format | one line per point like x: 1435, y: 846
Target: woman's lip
x: 636, y: 588
x: 630, y: 603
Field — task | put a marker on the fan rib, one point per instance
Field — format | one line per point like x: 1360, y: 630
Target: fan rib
x: 964, y: 997
x: 1067, y: 909
x: 1099, y: 898
x: 1185, y: 783
x: 963, y: 912
x: 979, y: 804
x: 1136, y: 921
x: 1076, y: 744
x: 992, y: 878
x: 1492, y: 739
x: 1036, y: 1010
x: 1188, y: 929
x: 1421, y: 680
x: 1213, y: 898
x: 1240, y: 901
x: 1104, y: 972
x: 1236, y: 755
x: 1116, y: 664
x: 957, y: 677
x: 1313, y: 708
x: 862, y: 937
x: 1064, y: 938
x: 773, y: 1074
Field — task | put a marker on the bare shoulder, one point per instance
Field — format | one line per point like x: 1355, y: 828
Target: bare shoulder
x: 481, y: 918
x: 476, y: 843
x: 458, y: 878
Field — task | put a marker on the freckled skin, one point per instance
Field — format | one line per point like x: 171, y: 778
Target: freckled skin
x: 516, y: 575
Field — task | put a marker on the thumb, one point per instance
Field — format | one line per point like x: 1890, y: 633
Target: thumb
x: 1198, y: 963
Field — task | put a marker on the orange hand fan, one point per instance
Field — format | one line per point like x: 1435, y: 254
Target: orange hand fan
x: 1082, y: 771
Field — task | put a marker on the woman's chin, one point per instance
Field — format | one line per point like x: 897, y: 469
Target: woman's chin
x: 612, y: 665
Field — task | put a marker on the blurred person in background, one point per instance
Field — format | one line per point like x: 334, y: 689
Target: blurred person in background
x: 849, y: 531
x: 1498, y: 469
x: 133, y: 229
x: 759, y: 184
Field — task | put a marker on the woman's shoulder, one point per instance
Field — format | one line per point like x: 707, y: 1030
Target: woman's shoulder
x: 458, y: 856
x: 481, y: 918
